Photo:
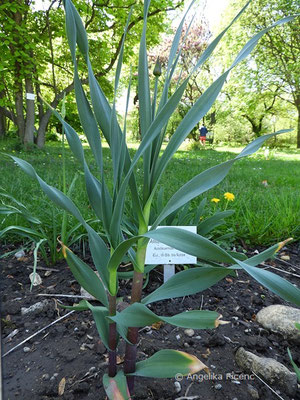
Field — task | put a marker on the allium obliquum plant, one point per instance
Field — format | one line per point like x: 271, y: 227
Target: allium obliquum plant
x: 109, y: 207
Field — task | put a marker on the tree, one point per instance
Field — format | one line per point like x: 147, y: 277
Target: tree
x: 36, y: 59
x: 275, y: 62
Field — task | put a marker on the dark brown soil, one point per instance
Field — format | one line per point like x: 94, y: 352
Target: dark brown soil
x: 71, y: 348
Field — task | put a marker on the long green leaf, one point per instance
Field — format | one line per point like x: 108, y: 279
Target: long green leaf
x: 273, y: 282
x: 85, y: 276
x: 21, y: 230
x: 98, y: 248
x: 100, y: 315
x: 208, y: 179
x: 202, y: 248
x: 168, y: 363
x: 97, y: 192
x: 190, y: 243
x: 296, y: 368
x: 138, y: 315
x: 101, y: 106
x: 212, y: 222
x: 188, y: 282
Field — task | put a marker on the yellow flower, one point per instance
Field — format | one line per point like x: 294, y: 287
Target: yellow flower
x: 215, y: 200
x: 229, y: 196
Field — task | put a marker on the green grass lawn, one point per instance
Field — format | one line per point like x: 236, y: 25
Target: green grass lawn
x: 264, y: 213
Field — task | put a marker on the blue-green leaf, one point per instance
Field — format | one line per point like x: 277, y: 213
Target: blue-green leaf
x: 168, y: 363
x: 188, y: 282
x: 138, y: 315
x: 85, y: 276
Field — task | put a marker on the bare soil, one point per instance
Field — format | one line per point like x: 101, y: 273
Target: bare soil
x: 70, y: 350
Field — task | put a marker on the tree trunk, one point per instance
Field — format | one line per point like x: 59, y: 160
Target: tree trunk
x: 29, y: 127
x: 297, y: 105
x: 41, y: 134
x: 256, y: 126
x: 2, y: 118
x: 39, y: 101
x: 19, y: 108
x: 2, y: 125
x: 18, y: 86
x: 298, y: 128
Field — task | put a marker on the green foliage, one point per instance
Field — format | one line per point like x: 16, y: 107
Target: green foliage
x: 46, y: 230
x: 108, y: 203
x: 34, y: 50
x: 264, y: 91
x: 263, y: 214
x: 166, y: 363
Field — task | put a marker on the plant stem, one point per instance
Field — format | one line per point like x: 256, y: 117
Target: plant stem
x: 131, y: 349
x: 112, y: 354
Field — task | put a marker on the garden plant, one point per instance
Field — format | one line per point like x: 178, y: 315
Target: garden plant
x: 109, y: 207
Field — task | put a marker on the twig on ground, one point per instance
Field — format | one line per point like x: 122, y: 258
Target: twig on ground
x: 90, y: 375
x: 281, y: 398
x: 43, y: 268
x: 229, y: 340
x: 36, y: 333
x: 202, y: 298
x: 187, y: 398
x: 188, y: 388
x: 287, y: 263
x: 282, y: 270
x: 64, y: 295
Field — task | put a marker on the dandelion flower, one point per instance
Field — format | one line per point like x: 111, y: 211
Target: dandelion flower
x: 229, y: 196
x: 215, y: 200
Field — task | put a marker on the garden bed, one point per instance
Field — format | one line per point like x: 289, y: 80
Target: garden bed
x: 69, y: 355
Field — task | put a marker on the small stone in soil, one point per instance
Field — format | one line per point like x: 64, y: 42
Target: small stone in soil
x: 26, y: 349
x: 218, y: 386
x: 35, y: 308
x: 177, y: 387
x: 20, y: 254
x: 178, y: 337
x: 55, y: 375
x: 189, y: 332
x: 253, y: 392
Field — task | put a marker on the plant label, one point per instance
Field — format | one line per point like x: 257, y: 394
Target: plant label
x: 159, y: 253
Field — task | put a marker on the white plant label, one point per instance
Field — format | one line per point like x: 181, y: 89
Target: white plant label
x: 159, y: 253
x: 30, y: 96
